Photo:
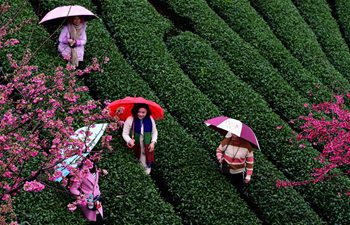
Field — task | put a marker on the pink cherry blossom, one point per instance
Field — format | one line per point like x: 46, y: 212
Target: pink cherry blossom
x: 34, y: 186
x: 326, y: 126
x: 71, y: 207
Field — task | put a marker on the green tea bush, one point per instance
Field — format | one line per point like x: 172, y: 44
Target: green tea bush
x: 210, y: 73
x: 243, y: 19
x: 319, y: 17
x: 169, y: 156
x: 291, y: 29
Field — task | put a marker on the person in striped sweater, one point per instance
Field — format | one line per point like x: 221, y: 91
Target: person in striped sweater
x: 238, y: 154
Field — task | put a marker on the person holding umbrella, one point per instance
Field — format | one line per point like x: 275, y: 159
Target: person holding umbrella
x: 238, y: 156
x: 85, y: 186
x: 235, y: 152
x: 140, y: 134
x: 72, y: 40
x: 139, y: 131
x: 73, y: 36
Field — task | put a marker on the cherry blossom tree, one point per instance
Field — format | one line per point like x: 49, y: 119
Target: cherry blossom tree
x: 38, y: 116
x: 327, y: 127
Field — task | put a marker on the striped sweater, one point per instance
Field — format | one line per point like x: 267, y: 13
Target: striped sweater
x: 239, y: 155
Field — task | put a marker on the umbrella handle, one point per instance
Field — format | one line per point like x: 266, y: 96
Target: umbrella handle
x: 133, y: 130
x: 132, y: 134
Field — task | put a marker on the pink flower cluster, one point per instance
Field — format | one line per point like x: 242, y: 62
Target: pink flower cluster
x: 34, y: 186
x: 39, y: 121
x: 326, y: 126
x: 282, y: 183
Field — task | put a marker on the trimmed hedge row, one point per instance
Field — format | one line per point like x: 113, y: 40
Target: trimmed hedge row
x: 342, y: 11
x: 244, y: 60
x: 244, y: 20
x: 295, y: 34
x: 187, y: 200
x: 133, y: 199
x: 128, y: 180
x: 193, y: 204
x: 319, y: 17
x: 209, y: 72
x: 164, y: 76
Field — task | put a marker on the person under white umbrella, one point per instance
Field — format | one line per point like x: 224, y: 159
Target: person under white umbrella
x: 73, y: 37
x: 72, y: 40
x: 84, y: 184
x: 235, y: 152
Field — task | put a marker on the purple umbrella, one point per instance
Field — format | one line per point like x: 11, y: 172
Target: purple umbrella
x: 224, y: 124
x: 63, y: 12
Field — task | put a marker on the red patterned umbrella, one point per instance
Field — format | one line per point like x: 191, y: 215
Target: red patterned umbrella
x: 125, y: 105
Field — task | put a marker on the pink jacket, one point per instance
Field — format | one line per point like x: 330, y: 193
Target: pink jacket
x: 87, y: 186
x: 64, y: 48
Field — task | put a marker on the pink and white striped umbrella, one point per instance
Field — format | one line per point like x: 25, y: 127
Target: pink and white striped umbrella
x: 224, y: 124
x: 68, y: 11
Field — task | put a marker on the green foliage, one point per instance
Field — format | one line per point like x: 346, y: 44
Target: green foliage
x: 47, y: 207
x: 185, y: 171
x: 291, y: 29
x: 319, y: 17
x: 192, y: 119
x: 342, y: 11
x: 168, y: 155
x: 210, y: 73
x: 243, y: 59
x: 130, y: 196
x: 244, y: 20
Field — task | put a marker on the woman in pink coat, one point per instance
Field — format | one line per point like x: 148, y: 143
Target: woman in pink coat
x: 72, y: 40
x: 86, y: 185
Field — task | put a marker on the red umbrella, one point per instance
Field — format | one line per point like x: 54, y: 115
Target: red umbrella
x: 125, y: 105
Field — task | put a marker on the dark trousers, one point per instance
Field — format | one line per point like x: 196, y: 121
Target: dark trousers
x: 238, y: 180
x: 81, y: 65
x: 98, y: 220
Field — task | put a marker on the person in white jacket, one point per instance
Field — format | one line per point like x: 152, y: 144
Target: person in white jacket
x: 140, y: 134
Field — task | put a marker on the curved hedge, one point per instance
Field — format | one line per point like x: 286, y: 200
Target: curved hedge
x: 244, y: 20
x: 251, y: 66
x: 342, y: 11
x: 167, y: 80
x: 243, y: 59
x: 186, y: 201
x: 208, y: 71
x: 319, y: 17
x: 143, y: 43
x: 295, y: 34
x: 130, y: 196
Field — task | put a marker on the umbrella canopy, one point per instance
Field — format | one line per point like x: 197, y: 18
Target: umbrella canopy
x: 126, y: 104
x: 224, y: 124
x: 63, y: 12
x: 97, y: 130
